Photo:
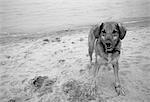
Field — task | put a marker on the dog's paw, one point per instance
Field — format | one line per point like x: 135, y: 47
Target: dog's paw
x: 120, y: 90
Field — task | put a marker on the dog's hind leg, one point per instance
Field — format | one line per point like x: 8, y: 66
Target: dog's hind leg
x: 91, y: 53
x: 91, y: 49
x: 96, y: 52
x: 91, y: 41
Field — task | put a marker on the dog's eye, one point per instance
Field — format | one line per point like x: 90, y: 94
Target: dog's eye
x: 103, y: 31
x: 114, y: 31
x: 103, y: 35
x: 114, y: 35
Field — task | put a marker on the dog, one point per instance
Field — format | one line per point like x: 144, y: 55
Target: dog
x: 105, y: 39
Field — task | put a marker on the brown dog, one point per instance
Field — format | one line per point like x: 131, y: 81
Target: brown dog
x: 106, y: 40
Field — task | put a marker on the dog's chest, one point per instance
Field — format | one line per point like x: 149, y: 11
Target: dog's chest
x: 105, y: 58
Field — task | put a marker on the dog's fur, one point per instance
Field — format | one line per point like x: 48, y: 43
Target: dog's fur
x: 106, y: 40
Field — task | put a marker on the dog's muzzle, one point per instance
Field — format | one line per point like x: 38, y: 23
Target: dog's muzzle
x: 108, y: 46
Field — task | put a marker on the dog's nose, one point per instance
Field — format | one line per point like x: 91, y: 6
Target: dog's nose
x: 108, y: 44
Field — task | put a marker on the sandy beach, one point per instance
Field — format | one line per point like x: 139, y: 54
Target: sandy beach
x: 53, y: 65
x: 63, y: 57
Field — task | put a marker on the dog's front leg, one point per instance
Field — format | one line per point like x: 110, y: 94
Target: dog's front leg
x: 118, y: 87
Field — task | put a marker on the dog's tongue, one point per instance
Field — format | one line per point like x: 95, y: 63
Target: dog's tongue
x: 109, y: 50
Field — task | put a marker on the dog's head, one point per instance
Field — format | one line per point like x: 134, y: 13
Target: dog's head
x: 110, y: 33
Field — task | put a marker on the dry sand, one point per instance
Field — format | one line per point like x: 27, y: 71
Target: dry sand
x: 44, y: 56
x: 63, y: 59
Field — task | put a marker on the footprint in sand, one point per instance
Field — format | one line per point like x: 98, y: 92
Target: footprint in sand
x: 12, y: 100
x: 124, y: 73
x: 45, y: 41
x: 61, y: 61
x: 56, y: 40
x: 81, y: 39
x: 125, y: 64
x: 73, y: 42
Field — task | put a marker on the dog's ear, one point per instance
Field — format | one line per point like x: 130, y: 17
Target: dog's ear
x: 97, y: 30
x: 122, y: 31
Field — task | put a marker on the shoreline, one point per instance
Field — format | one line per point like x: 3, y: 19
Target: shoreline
x: 130, y: 23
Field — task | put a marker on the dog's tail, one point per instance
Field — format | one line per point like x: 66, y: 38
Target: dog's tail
x: 91, y: 42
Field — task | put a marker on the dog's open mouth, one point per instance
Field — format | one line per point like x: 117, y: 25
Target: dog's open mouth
x: 108, y: 46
